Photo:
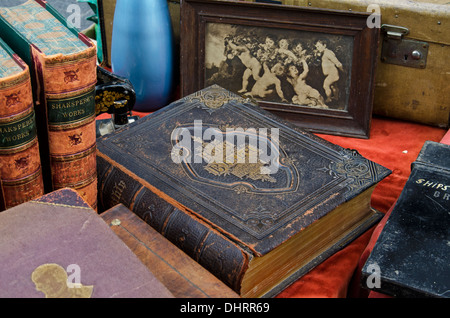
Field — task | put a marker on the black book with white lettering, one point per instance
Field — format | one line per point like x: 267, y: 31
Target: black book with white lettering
x: 411, y: 257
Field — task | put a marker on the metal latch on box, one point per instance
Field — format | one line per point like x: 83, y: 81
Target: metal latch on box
x: 400, y: 51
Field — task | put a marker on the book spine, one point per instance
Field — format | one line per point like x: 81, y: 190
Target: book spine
x: 20, y: 165
x: 66, y: 93
x: 219, y: 255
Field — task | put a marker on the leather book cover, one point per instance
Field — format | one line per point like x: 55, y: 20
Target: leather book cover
x: 57, y: 246
x: 230, y: 183
x: 182, y: 276
x: 20, y: 163
x: 411, y: 256
x: 63, y: 64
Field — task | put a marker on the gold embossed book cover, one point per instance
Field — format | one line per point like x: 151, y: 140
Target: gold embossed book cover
x: 252, y: 198
x: 63, y: 65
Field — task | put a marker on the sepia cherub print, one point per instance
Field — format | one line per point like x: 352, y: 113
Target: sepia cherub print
x: 279, y: 66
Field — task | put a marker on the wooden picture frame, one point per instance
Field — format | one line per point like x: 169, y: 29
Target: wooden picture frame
x: 219, y: 41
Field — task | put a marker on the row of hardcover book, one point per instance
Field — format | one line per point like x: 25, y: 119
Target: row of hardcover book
x: 47, y: 105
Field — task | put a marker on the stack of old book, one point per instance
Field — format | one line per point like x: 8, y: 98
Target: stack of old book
x: 47, y: 101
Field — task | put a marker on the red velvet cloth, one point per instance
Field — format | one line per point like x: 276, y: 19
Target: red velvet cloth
x: 394, y: 144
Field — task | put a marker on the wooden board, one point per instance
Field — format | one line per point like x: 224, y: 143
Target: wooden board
x: 184, y: 277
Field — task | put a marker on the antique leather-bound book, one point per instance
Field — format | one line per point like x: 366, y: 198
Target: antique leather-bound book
x: 20, y: 163
x: 63, y: 65
x: 57, y: 246
x: 411, y: 256
x: 253, y: 199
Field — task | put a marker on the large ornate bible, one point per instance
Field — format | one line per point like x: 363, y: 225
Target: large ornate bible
x: 253, y: 199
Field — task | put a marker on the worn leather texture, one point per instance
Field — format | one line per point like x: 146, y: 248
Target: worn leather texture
x: 70, y: 101
x: 183, y: 276
x: 394, y: 144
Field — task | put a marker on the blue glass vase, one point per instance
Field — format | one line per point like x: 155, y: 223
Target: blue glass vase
x: 142, y: 50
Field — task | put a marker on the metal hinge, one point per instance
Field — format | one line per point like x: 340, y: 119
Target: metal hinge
x: 400, y: 51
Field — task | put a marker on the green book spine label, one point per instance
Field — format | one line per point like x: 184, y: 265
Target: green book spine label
x: 71, y: 110
x: 18, y: 132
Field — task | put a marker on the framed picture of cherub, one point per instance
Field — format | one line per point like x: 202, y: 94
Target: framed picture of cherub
x: 313, y: 67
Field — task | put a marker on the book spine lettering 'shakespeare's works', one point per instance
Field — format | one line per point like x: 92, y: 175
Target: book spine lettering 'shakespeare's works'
x: 252, y: 198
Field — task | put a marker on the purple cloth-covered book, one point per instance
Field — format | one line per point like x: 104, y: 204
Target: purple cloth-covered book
x: 57, y: 246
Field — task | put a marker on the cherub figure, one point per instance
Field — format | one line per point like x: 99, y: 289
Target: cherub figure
x: 284, y: 53
x: 267, y: 51
x: 330, y: 68
x: 300, y: 52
